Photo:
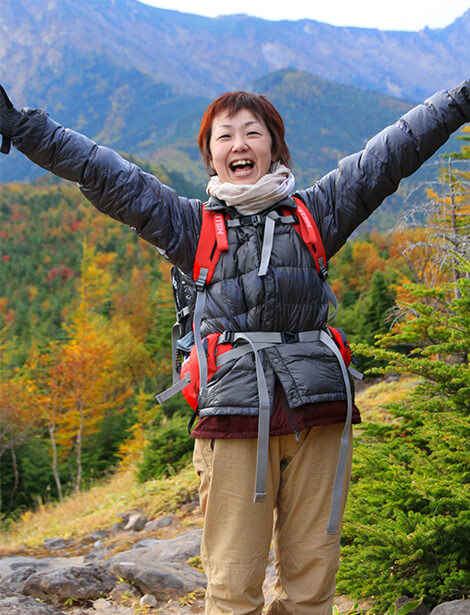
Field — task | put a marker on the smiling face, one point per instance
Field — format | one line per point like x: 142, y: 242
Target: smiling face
x: 240, y: 147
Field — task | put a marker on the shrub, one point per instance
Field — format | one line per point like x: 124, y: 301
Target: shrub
x: 168, y: 450
x: 407, y: 525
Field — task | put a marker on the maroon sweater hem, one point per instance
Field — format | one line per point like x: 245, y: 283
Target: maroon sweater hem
x: 281, y: 424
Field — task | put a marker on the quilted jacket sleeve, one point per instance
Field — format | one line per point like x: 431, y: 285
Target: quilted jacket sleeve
x: 115, y: 186
x: 345, y: 197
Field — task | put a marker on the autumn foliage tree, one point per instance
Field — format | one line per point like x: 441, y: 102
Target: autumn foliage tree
x: 17, y: 395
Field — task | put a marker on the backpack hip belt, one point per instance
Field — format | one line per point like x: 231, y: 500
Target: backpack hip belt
x: 256, y: 341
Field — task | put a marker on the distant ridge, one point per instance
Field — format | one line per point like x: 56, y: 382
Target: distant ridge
x: 204, y: 56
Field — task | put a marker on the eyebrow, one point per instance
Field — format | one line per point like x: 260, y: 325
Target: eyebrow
x: 245, y: 124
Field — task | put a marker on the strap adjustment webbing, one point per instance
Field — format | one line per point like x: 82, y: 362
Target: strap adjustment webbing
x: 176, y: 388
x: 183, y: 313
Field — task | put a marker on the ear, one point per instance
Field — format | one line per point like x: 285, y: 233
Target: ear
x: 210, y: 168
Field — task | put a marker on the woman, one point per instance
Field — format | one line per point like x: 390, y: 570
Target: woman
x: 258, y: 290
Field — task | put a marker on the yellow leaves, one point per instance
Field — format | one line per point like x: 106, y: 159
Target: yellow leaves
x: 130, y: 358
x: 3, y: 305
x: 84, y: 382
x: 431, y: 194
x: 95, y: 280
x: 18, y: 414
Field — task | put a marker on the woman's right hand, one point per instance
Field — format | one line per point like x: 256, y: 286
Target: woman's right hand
x: 9, y: 118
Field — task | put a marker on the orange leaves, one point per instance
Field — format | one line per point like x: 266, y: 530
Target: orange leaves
x: 356, y: 263
x: 84, y: 383
x: 17, y: 419
x: 366, y: 253
x: 80, y: 380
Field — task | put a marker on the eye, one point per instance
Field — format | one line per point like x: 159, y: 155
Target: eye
x: 253, y: 132
x: 223, y: 137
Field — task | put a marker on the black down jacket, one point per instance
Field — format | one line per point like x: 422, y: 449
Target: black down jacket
x: 291, y: 296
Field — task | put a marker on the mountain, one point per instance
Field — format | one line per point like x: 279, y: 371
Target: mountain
x: 138, y: 79
x: 117, y: 106
x: 204, y: 56
x: 127, y: 110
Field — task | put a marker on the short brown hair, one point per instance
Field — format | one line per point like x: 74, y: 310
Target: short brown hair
x: 259, y: 105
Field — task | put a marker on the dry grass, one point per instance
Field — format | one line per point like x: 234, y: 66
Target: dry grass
x: 99, y: 507
x: 372, y: 399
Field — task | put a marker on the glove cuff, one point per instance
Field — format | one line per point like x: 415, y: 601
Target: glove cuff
x: 10, y: 122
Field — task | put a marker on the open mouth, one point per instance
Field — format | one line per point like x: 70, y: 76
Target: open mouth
x: 241, y: 166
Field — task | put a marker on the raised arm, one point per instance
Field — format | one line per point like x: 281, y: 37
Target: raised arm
x: 345, y: 197
x: 115, y: 186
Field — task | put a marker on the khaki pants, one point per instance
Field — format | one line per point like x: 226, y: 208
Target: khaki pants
x: 238, y: 533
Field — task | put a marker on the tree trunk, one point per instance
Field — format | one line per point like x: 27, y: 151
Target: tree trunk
x: 454, y: 230
x: 16, y: 482
x: 55, y: 471
x: 1, y: 501
x: 78, y: 484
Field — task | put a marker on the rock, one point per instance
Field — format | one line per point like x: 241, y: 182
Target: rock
x: 157, y: 524
x: 149, y: 550
x: 422, y: 609
x: 158, y: 567
x: 455, y: 607
x: 15, y: 580
x: 128, y: 513
x: 136, y: 522
x: 125, y: 594
x: 117, y: 527
x: 81, y: 584
x: 100, y: 605
x: 148, y: 600
x: 98, y: 554
x: 16, y: 604
x: 9, y: 565
x: 56, y: 543
x: 164, y: 580
x: 99, y: 534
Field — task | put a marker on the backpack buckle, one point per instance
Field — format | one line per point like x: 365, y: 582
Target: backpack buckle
x: 202, y: 279
x: 227, y: 337
x: 323, y: 268
x: 289, y: 337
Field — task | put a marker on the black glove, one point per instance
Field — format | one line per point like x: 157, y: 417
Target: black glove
x: 9, y: 118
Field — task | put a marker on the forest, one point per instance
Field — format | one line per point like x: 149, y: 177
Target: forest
x: 86, y: 310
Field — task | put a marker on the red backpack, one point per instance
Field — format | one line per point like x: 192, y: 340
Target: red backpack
x: 200, y: 358
x: 203, y: 357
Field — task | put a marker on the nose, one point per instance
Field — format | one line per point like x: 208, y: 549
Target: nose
x: 239, y: 144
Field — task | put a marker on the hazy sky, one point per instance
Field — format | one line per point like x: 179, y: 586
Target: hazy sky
x: 385, y: 15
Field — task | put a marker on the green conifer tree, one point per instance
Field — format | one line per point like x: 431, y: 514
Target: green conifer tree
x: 407, y: 524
